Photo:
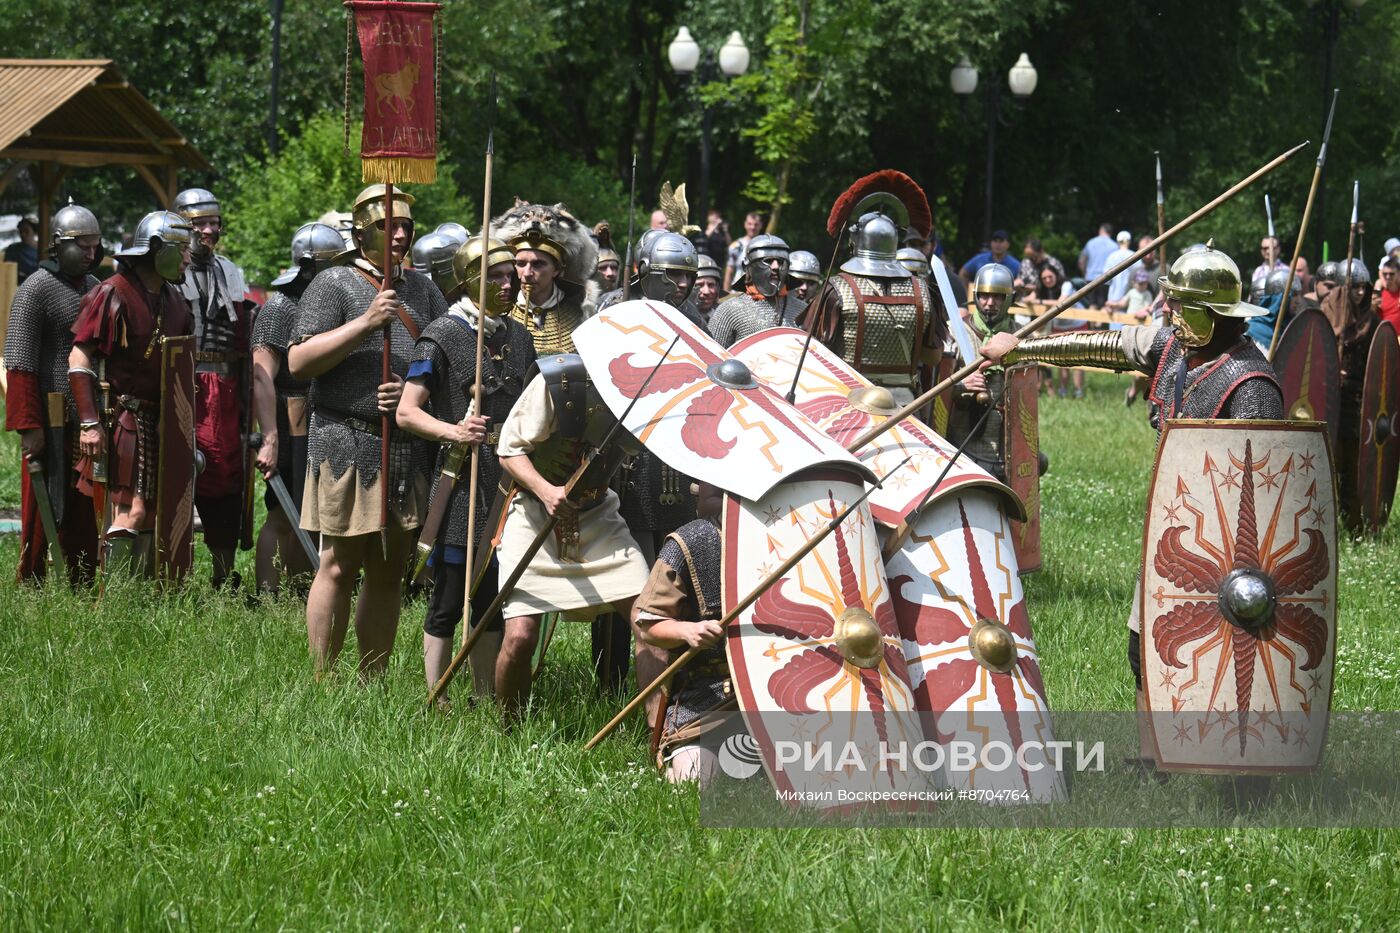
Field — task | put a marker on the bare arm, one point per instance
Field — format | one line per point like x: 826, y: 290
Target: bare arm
x: 414, y: 418
x: 676, y: 633
x: 265, y: 367
x: 92, y: 441
x: 523, y: 471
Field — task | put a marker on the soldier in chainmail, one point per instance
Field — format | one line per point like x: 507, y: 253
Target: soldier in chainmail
x: 284, y: 428
x: 1201, y: 366
x: 977, y: 419
x: 37, y: 344
x: 118, y: 332
x: 438, y: 405
x: 874, y: 312
x: 708, y: 276
x: 763, y: 301
x: 679, y: 608
x: 338, y: 341
x: 213, y: 287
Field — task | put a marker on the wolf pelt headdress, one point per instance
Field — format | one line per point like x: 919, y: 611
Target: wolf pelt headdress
x: 556, y: 225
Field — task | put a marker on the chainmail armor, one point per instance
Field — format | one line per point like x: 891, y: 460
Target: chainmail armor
x: 984, y: 447
x: 694, y: 551
x: 1239, y: 383
x: 40, y: 334
x: 742, y: 315
x: 654, y: 496
x: 351, y: 388
x: 451, y: 346
x: 272, y: 330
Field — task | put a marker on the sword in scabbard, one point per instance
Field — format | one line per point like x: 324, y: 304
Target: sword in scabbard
x: 763, y: 585
x: 38, y: 487
x: 289, y: 508
x: 1303, y: 227
x: 508, y: 586
x: 1065, y: 303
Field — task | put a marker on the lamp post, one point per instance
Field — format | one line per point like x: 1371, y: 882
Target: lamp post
x: 685, y: 57
x: 1021, y: 79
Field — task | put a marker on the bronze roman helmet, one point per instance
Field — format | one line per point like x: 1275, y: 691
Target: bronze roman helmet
x: 466, y: 270
x: 1206, y: 282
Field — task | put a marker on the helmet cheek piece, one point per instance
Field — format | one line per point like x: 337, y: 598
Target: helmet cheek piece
x: 72, y: 259
x: 167, y: 261
x: 1194, y: 324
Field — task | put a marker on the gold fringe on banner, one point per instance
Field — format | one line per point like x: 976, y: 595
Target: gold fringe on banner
x: 396, y: 170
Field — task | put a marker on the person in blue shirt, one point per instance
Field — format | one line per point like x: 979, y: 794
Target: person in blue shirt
x: 1093, y: 260
x: 998, y: 244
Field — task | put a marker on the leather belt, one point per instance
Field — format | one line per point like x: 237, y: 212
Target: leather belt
x: 140, y: 405
x: 217, y: 356
x: 351, y: 422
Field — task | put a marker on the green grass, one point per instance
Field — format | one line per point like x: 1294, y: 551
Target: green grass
x: 167, y: 762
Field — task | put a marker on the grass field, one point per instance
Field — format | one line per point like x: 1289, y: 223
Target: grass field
x: 168, y: 762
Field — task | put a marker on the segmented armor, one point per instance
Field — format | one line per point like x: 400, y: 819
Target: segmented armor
x: 345, y: 419
x: 214, y: 290
x: 693, y: 551
x: 583, y: 422
x: 743, y: 315
x: 40, y: 333
x: 446, y: 359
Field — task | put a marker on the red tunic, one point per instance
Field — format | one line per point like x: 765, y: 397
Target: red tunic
x: 118, y: 324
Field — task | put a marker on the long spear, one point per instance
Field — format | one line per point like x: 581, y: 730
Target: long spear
x: 480, y: 352
x: 509, y: 585
x: 1161, y: 219
x: 1303, y: 228
x: 631, y: 216
x: 739, y: 607
x: 1054, y: 311
x: 812, y: 325
x: 385, y: 372
x: 1351, y: 241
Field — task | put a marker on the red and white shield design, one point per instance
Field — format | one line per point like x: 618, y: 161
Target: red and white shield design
x: 824, y: 395
x: 968, y: 646
x: 1238, y: 599
x: 817, y: 657
x: 741, y: 437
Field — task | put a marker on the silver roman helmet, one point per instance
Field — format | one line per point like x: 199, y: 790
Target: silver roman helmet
x: 761, y: 250
x: 1359, y: 274
x: 913, y: 259
x: 708, y: 268
x: 667, y: 267
x: 804, y: 266
x: 432, y: 256
x: 163, y: 236
x: 314, y: 245
x: 1327, y: 272
x: 71, y: 222
x: 455, y: 230
x: 1274, y: 284
x: 196, y: 202
x: 875, y: 246
x: 994, y: 279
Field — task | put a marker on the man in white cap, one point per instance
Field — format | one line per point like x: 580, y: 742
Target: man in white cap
x: 1123, y: 281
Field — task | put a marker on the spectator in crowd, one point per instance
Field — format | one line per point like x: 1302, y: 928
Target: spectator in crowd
x: 1302, y: 281
x: 1269, y: 248
x: 1120, y: 284
x: 716, y: 237
x: 1033, y: 256
x: 1149, y: 262
x: 1052, y: 287
x: 25, y: 251
x: 1093, y: 259
x: 753, y: 224
x: 996, y: 252
x: 1392, y: 247
x: 1386, y: 302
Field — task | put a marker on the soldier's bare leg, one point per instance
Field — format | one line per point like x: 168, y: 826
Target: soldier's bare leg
x: 377, y: 611
x: 513, y: 670
x: 270, y: 547
x: 328, y: 603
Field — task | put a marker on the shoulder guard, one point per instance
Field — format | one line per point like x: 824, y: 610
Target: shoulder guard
x: 567, y: 382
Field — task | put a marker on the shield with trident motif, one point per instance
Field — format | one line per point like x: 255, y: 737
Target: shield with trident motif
x: 1239, y: 596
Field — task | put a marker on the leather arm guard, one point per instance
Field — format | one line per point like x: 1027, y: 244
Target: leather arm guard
x: 83, y: 382
x: 1102, y: 349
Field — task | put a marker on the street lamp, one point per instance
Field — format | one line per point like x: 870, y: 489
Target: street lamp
x: 1021, y: 79
x: 686, y: 58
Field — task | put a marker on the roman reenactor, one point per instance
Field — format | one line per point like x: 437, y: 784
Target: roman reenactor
x: 117, y: 355
x: 554, y: 257
x: 213, y: 288
x: 708, y: 276
x: 763, y: 300
x: 39, y: 403
x: 433, y: 253
x: 608, y: 273
x: 976, y: 420
x: 804, y: 274
x: 1354, y: 323
x: 338, y: 342
x: 878, y: 316
x: 1202, y: 366
x: 437, y: 406
x: 284, y: 430
x: 679, y: 608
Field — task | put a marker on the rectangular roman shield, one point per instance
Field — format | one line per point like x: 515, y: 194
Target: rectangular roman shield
x: 175, y: 469
x: 1021, y: 451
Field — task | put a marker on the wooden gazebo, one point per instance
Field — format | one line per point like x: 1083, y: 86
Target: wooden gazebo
x: 57, y: 115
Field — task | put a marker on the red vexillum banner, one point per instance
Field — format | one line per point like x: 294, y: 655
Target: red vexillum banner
x: 398, y: 45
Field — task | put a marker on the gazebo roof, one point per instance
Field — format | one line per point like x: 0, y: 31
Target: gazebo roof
x: 83, y: 112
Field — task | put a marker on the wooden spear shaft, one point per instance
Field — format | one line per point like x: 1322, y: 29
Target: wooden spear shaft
x: 733, y: 613
x: 385, y: 371
x: 1303, y: 227
x: 475, y: 473
x: 1351, y: 243
x: 1054, y: 311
